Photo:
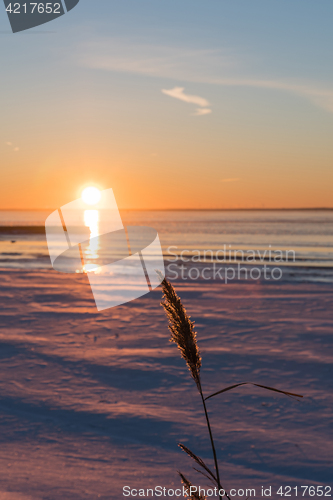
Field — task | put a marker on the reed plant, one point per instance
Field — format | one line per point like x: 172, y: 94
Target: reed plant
x: 184, y: 336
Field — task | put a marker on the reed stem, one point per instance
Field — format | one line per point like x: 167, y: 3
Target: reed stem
x: 212, y: 443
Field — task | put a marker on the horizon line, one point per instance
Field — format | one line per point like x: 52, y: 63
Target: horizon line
x: 181, y: 209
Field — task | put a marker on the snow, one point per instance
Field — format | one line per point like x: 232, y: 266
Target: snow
x: 91, y: 402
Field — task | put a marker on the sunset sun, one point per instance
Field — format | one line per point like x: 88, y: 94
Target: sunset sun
x: 91, y: 195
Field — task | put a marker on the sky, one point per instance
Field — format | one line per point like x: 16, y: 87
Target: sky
x: 173, y: 104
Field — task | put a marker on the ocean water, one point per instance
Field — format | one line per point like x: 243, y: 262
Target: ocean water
x: 301, y: 241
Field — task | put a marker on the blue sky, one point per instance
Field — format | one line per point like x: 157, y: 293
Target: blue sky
x: 93, y: 96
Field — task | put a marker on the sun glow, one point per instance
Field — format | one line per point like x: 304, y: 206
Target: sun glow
x: 91, y: 219
x: 91, y: 195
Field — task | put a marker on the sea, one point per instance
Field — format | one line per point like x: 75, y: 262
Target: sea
x: 300, y: 242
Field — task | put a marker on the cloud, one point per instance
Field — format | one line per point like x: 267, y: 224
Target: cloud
x: 320, y: 96
x: 11, y: 145
x: 230, y: 180
x: 208, y: 66
x: 178, y: 93
x: 161, y: 61
x: 202, y: 111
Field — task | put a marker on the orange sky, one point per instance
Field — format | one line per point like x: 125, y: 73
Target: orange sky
x: 188, y: 116
x: 184, y: 176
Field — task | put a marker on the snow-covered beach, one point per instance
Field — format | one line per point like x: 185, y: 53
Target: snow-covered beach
x: 91, y: 402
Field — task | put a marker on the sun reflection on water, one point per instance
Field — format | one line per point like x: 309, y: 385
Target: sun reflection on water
x: 91, y: 220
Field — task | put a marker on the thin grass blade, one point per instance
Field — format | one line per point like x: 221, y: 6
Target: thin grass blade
x: 205, y: 475
x: 257, y: 385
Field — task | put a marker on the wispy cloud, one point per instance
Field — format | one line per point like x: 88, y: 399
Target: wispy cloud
x: 178, y: 93
x: 192, y: 65
x: 11, y: 145
x: 161, y: 61
x: 320, y: 96
x: 202, y: 111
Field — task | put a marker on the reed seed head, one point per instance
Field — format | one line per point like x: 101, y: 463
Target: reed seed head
x: 188, y: 484
x: 182, y: 330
